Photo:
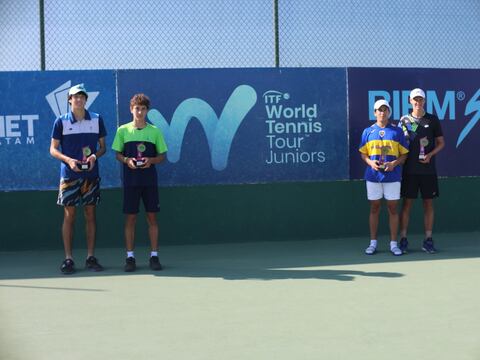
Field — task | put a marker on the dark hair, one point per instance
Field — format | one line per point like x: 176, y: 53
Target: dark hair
x: 80, y: 92
x: 140, y: 99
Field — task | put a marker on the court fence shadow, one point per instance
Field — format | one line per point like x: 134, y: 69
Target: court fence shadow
x: 331, y: 259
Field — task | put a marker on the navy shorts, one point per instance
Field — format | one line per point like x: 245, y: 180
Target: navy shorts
x: 426, y: 184
x: 132, y: 196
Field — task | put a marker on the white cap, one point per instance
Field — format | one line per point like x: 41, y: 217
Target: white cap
x: 379, y: 103
x: 77, y: 89
x: 417, y: 92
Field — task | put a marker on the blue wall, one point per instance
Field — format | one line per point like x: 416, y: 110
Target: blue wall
x: 237, y: 126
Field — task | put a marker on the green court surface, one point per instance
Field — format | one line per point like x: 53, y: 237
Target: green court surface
x: 319, y: 299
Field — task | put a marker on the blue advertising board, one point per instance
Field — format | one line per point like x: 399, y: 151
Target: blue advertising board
x: 234, y: 126
x: 451, y: 94
x: 31, y: 101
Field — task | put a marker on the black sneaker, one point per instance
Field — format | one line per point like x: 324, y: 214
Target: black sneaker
x: 404, y: 245
x: 92, y: 264
x: 428, y: 246
x: 68, y: 267
x: 155, y: 263
x: 130, y: 264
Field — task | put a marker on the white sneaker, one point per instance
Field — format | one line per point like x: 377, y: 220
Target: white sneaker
x: 370, y: 250
x: 396, y: 251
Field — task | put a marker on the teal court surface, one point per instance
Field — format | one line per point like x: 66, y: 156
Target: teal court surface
x: 319, y: 299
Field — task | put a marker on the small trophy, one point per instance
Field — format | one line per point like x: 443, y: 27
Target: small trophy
x: 383, y: 157
x: 140, y: 160
x: 423, y: 145
x: 85, y: 165
x: 405, y: 123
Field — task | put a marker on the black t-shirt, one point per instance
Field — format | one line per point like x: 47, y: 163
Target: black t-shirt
x: 424, y: 129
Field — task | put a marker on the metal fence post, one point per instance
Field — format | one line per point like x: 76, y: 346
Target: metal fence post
x: 42, y: 34
x: 275, y: 27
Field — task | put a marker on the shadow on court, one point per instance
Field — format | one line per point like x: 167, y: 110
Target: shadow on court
x: 244, y: 261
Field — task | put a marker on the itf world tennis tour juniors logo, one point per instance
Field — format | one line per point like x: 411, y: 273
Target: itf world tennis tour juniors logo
x: 292, y: 130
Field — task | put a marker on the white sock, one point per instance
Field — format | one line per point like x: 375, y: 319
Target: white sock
x: 130, y: 254
x: 393, y: 244
x: 153, y: 253
x: 373, y: 243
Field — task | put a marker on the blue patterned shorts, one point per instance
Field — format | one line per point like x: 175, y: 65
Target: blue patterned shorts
x: 79, y: 192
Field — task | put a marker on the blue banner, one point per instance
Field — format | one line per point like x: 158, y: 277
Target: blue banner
x: 31, y: 101
x: 234, y: 126
x: 453, y: 95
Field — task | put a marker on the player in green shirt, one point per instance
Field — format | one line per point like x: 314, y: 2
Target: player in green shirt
x: 139, y: 146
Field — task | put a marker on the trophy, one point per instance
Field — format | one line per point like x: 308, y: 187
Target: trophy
x: 423, y: 145
x: 84, y: 165
x: 140, y: 160
x: 383, y: 157
x: 405, y: 121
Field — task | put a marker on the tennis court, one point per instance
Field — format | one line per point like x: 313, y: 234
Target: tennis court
x: 318, y: 299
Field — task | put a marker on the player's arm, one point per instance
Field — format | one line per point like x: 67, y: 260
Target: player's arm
x: 161, y: 149
x: 149, y: 161
x: 157, y: 159
x: 101, y: 150
x: 57, y: 154
x: 389, y: 166
x: 125, y: 160
x: 372, y: 163
x: 439, y: 145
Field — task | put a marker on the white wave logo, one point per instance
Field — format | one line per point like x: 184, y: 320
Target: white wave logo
x: 58, y: 98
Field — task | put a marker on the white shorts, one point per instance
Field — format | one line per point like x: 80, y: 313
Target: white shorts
x: 390, y: 191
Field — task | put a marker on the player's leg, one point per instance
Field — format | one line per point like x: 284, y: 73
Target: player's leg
x: 129, y: 228
x: 69, y: 197
x: 131, y: 205
x: 90, y: 191
x: 392, y: 195
x: 374, y: 195
x: 150, y: 201
x: 428, y: 216
x: 393, y: 219
x: 375, y: 206
x: 67, y: 230
x: 409, y: 192
x: 152, y: 230
x: 429, y: 190
x: 89, y: 212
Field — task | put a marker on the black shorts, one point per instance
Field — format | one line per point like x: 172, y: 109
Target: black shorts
x: 427, y: 184
x: 132, y: 196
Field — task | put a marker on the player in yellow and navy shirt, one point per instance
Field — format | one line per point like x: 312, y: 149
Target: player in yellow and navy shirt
x: 383, y: 147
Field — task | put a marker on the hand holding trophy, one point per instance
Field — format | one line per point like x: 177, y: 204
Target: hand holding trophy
x: 84, y: 165
x: 423, y: 145
x: 140, y: 160
x: 383, y: 157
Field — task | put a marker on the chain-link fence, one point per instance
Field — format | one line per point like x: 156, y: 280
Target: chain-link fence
x: 380, y: 33
x: 124, y: 34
